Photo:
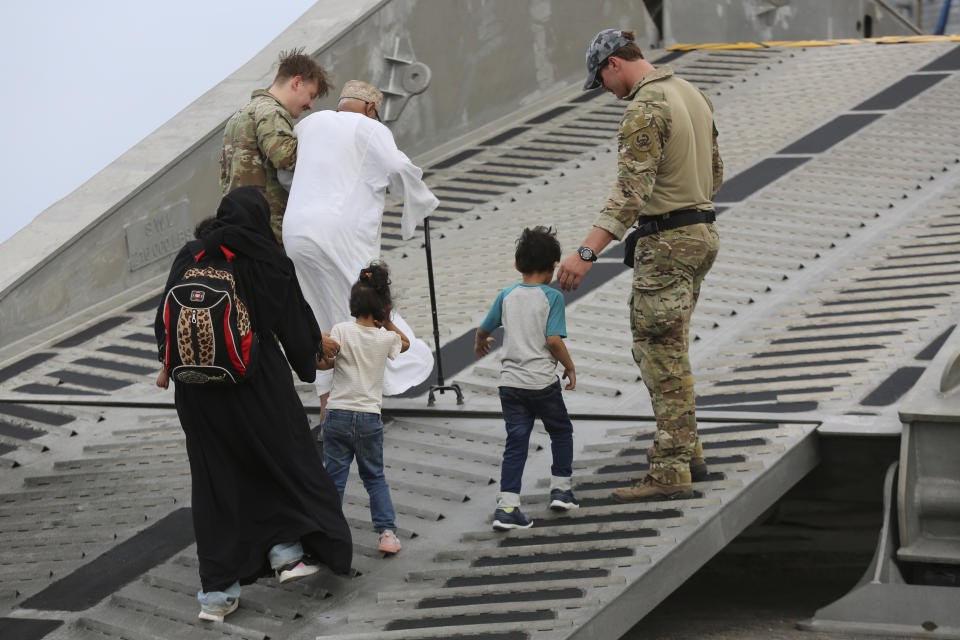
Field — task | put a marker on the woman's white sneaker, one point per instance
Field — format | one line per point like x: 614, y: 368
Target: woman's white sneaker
x: 218, y: 614
x: 295, y: 571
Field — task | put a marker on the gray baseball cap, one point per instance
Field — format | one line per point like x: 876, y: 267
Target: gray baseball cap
x: 604, y: 44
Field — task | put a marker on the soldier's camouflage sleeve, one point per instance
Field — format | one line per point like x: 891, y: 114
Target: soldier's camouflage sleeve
x: 224, y: 170
x: 640, y: 143
x: 275, y: 138
x: 226, y: 154
x: 717, y: 165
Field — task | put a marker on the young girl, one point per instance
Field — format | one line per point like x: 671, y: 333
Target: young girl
x: 352, y: 427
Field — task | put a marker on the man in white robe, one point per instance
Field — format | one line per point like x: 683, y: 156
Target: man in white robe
x: 346, y: 160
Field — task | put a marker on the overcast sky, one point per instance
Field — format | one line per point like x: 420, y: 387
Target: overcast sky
x: 86, y: 80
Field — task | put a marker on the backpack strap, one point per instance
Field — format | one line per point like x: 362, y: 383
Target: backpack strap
x: 229, y: 255
x: 196, y: 249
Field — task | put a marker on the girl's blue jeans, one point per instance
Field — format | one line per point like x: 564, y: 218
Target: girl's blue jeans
x: 352, y: 434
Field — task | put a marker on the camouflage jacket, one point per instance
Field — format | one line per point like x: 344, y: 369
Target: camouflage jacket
x: 653, y: 176
x: 257, y: 141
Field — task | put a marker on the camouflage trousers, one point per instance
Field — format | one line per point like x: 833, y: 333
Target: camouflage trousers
x: 669, y: 269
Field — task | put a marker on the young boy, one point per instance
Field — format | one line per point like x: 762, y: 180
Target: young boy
x: 535, y: 325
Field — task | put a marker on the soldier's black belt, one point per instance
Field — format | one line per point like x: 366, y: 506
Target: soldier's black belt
x: 648, y: 225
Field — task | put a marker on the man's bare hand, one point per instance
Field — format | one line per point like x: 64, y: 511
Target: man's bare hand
x: 572, y: 270
x: 163, y: 379
x: 329, y: 347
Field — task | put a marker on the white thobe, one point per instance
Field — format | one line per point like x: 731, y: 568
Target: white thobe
x: 331, y: 227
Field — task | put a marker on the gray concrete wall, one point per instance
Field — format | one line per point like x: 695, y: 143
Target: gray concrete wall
x: 487, y: 57
x: 690, y: 21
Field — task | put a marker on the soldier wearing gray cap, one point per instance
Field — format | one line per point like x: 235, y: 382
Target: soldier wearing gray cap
x: 602, y: 47
x: 668, y: 171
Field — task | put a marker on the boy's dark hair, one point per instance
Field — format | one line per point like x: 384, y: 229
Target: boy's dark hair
x: 629, y: 51
x: 538, y: 249
x: 370, y: 294
x: 296, y: 63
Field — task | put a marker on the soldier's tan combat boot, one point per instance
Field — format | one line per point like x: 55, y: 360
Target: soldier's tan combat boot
x: 649, y: 490
x: 698, y: 465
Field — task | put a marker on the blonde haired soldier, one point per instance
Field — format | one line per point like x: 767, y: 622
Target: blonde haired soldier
x: 668, y: 172
x: 259, y: 138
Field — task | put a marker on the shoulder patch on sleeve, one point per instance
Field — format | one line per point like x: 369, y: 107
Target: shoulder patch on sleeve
x: 640, y: 141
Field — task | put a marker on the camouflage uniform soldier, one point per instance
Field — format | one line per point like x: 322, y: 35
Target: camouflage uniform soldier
x: 259, y: 138
x: 668, y: 171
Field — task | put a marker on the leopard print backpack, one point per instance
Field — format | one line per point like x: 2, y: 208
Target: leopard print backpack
x: 209, y: 338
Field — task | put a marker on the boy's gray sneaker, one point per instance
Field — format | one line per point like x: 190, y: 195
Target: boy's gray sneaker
x: 561, y: 500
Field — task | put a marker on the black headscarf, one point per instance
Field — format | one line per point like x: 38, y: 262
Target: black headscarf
x: 264, y: 272
x: 243, y: 225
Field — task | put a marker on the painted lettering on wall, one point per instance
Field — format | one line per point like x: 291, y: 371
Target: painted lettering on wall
x: 159, y: 234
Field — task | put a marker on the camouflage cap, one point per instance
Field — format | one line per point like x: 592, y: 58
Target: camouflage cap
x: 604, y: 44
x: 359, y: 90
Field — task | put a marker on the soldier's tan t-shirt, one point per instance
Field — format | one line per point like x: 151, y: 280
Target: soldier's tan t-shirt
x: 668, y: 157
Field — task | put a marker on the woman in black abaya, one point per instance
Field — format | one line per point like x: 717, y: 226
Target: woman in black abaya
x: 261, y: 498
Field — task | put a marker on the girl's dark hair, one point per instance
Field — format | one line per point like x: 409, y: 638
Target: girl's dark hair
x: 370, y: 295
x: 537, y: 250
x: 203, y: 227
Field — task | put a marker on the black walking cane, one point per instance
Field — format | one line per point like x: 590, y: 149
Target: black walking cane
x: 440, y: 386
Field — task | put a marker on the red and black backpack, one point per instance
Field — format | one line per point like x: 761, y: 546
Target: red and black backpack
x: 208, y: 333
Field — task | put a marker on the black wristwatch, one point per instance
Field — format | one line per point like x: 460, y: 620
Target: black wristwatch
x: 586, y: 253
